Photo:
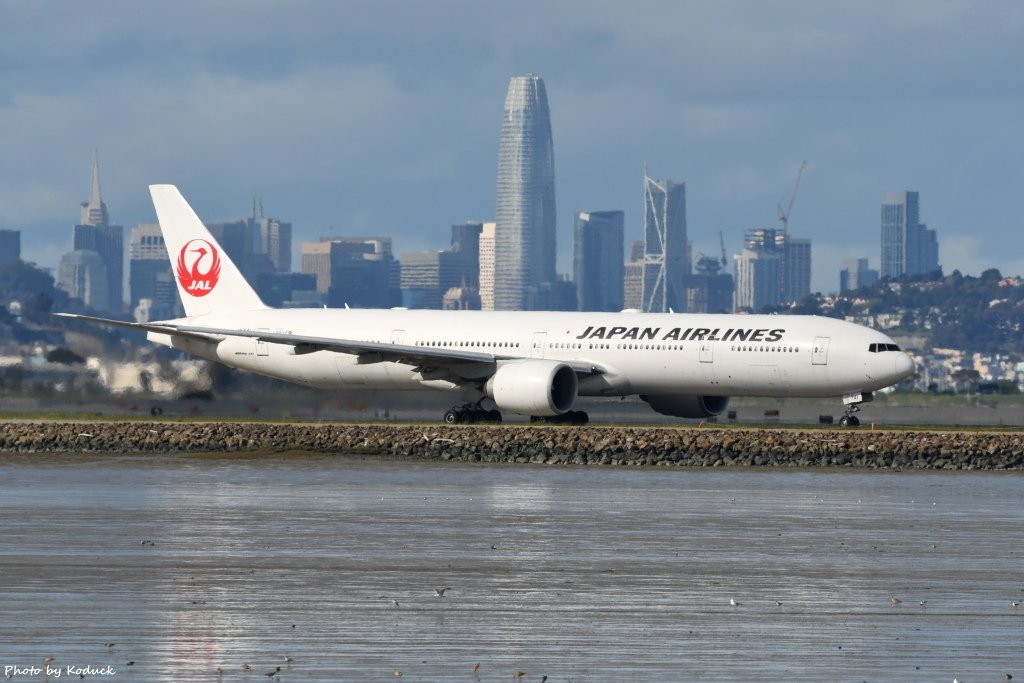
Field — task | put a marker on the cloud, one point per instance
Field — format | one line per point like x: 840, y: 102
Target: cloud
x: 385, y: 116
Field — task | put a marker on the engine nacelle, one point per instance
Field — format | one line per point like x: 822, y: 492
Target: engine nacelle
x: 688, y: 406
x: 534, y: 387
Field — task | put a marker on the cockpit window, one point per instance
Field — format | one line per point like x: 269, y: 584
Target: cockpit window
x: 880, y: 348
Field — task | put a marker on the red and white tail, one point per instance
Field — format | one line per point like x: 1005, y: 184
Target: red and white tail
x: 208, y: 281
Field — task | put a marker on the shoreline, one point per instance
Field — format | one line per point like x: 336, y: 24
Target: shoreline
x: 650, y: 446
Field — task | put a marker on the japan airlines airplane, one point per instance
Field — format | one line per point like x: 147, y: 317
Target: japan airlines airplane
x: 530, y: 363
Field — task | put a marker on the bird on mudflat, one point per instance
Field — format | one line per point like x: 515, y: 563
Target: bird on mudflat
x: 246, y: 667
x: 441, y: 591
x: 732, y: 601
x: 894, y: 600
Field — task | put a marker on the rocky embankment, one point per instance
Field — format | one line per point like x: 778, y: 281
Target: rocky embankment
x: 688, y: 446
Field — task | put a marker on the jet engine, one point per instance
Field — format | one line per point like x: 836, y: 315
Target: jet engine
x: 688, y: 406
x: 534, y: 387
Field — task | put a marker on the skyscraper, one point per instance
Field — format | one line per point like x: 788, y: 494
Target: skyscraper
x: 666, y: 254
x: 354, y: 271
x: 96, y: 234
x: 84, y: 275
x: 796, y: 266
x: 466, y: 245
x: 633, y: 277
x: 908, y: 246
x: 598, y: 260
x: 149, y: 273
x: 758, y: 273
x: 276, y: 240
x: 525, y: 225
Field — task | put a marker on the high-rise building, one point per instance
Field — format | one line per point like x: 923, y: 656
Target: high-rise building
x: 710, y: 290
x: 793, y: 268
x: 149, y: 273
x: 427, y: 276
x: 83, y: 274
x: 10, y: 245
x: 276, y: 242
x: 525, y: 224
x: 856, y: 274
x: 633, y: 277
x: 289, y: 290
x: 96, y: 234
x: 908, y: 247
x: 598, y: 260
x: 758, y: 274
x: 666, y: 251
x: 466, y: 247
x: 360, y: 272
x: 487, y: 267
x: 796, y: 266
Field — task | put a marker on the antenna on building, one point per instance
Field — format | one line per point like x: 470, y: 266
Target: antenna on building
x: 784, y: 214
x: 721, y: 240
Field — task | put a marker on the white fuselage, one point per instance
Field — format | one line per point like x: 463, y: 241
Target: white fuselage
x: 639, y: 353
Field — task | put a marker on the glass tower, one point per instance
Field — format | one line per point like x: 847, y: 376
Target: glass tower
x: 666, y: 258
x: 524, y: 236
x: 908, y: 246
x: 598, y: 260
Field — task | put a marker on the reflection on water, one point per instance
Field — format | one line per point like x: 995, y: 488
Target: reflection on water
x: 193, y: 563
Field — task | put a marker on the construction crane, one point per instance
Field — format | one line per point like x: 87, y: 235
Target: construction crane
x: 784, y: 213
x: 721, y: 240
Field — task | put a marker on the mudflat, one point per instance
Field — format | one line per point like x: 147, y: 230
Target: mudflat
x: 184, y: 565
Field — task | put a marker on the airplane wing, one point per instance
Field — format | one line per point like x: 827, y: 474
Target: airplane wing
x: 368, y: 352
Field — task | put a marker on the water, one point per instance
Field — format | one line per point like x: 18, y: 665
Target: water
x: 193, y: 563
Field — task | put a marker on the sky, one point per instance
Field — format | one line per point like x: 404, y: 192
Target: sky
x: 383, y: 117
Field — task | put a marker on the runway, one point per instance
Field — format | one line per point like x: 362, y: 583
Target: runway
x: 191, y: 563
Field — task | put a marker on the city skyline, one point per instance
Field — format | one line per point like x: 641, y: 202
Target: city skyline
x: 365, y: 124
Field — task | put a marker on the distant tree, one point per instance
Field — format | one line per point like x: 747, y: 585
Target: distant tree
x: 992, y: 275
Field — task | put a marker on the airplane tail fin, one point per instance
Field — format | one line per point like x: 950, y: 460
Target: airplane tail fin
x: 208, y: 281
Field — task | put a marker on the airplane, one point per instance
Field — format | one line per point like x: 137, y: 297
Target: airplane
x: 534, y: 364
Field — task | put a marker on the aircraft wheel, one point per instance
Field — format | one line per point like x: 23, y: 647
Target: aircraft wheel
x: 494, y: 415
x: 452, y: 417
x: 578, y: 417
x: 844, y: 421
x: 854, y: 421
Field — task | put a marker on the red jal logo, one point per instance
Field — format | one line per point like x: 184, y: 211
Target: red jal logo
x: 198, y: 267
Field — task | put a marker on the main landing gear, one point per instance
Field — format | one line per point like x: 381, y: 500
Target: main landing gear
x: 573, y: 417
x: 469, y: 414
x: 852, y: 403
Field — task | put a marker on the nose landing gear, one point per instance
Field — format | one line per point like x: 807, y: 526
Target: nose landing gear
x: 852, y: 403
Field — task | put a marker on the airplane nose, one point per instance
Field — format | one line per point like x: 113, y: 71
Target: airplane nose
x: 904, y: 365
